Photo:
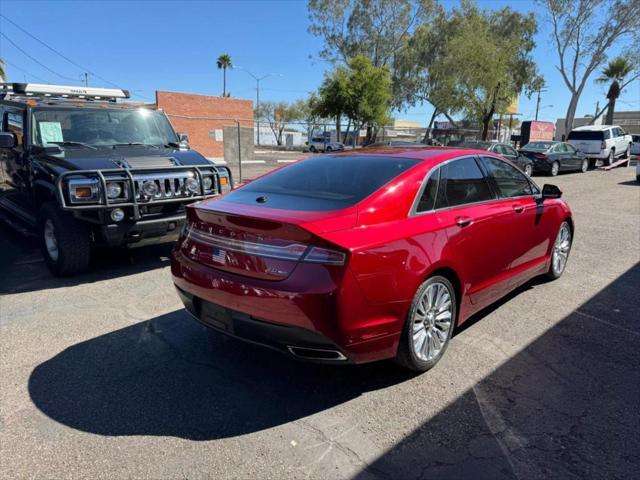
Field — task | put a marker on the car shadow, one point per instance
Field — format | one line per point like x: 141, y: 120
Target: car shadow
x: 566, y: 406
x: 630, y: 182
x: 24, y: 269
x: 170, y: 376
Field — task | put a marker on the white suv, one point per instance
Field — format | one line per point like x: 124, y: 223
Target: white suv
x: 601, y: 142
x: 323, y: 144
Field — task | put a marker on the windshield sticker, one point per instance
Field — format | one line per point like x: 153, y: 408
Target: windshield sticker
x: 50, y: 132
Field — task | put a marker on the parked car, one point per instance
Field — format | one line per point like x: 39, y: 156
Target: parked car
x: 323, y: 144
x: 635, y: 146
x: 369, y: 254
x: 507, y: 151
x: 82, y: 170
x: 601, y: 142
x: 554, y: 157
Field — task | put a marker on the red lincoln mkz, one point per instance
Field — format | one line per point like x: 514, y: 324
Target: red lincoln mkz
x: 368, y: 255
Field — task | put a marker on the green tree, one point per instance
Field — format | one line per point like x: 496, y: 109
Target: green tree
x: 616, y: 72
x: 333, y: 96
x: 376, y: 29
x: 224, y: 62
x: 584, y: 32
x: 487, y: 61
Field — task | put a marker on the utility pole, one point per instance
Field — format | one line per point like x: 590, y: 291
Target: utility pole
x: 540, y: 90
x: 258, y: 79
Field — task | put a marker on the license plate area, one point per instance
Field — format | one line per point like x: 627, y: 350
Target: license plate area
x: 217, y: 316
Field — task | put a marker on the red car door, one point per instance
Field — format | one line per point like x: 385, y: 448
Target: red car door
x: 525, y: 225
x: 477, y: 226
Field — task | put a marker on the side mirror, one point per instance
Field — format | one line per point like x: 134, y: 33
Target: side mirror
x: 7, y: 140
x: 183, y: 139
x: 550, y: 191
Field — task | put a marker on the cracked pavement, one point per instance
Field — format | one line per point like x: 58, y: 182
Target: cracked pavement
x: 105, y: 376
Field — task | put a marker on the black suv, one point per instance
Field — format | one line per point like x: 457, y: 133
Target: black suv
x: 82, y: 170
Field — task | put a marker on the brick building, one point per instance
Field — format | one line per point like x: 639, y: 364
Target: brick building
x: 204, y: 117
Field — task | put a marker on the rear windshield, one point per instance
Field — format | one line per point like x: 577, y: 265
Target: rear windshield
x: 323, y: 182
x: 538, y: 146
x: 586, y: 135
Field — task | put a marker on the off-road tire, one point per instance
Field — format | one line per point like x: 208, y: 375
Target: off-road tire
x: 73, y: 241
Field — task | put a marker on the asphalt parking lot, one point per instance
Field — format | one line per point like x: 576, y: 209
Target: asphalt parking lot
x: 105, y: 376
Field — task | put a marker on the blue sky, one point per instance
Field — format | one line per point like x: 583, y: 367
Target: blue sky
x: 166, y: 45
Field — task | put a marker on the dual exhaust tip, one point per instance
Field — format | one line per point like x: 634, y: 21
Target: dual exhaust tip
x: 317, y: 354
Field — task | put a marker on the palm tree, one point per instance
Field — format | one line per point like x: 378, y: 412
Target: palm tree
x: 615, y: 72
x: 224, y: 62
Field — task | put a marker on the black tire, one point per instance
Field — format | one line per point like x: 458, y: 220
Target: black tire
x: 555, y: 168
x: 528, y: 170
x: 312, y: 149
x: 612, y: 157
x: 328, y: 149
x: 72, y: 239
x: 552, y: 274
x: 406, y: 356
x: 585, y: 166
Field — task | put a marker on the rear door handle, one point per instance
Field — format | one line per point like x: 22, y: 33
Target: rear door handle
x: 518, y: 208
x: 463, y: 221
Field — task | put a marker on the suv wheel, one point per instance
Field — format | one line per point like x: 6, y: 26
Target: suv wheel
x: 612, y: 157
x: 65, y: 241
x: 312, y: 149
x: 429, y: 325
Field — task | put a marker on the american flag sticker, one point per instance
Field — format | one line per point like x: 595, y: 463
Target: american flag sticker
x: 218, y: 255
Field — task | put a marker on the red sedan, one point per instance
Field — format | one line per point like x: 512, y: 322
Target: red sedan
x: 368, y: 255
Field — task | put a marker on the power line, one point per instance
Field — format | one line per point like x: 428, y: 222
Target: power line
x: 57, y: 52
x: 24, y: 71
x: 35, y: 60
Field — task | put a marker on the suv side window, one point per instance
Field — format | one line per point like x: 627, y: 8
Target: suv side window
x: 428, y: 198
x: 607, y: 134
x: 510, y: 182
x: 462, y: 182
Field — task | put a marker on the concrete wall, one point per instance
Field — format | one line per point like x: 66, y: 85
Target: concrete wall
x: 204, y: 118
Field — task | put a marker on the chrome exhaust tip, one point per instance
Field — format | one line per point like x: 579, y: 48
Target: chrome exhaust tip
x: 320, y: 354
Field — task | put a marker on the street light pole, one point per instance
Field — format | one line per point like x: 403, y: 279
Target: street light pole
x: 538, y: 102
x: 258, y: 79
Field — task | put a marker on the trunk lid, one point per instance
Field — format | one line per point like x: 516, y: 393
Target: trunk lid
x: 258, y: 242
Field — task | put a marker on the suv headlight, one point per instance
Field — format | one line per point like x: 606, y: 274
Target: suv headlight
x: 207, y: 183
x: 114, y: 190
x: 82, y: 190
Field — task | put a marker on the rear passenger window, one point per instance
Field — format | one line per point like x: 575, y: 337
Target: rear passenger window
x: 462, y: 182
x: 510, y: 182
x: 428, y: 198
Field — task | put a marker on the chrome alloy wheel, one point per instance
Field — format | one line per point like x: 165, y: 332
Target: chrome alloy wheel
x: 432, y: 321
x: 50, y: 240
x: 561, y: 249
x: 555, y: 168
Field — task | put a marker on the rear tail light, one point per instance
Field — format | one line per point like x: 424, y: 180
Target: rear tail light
x: 292, y: 251
x: 603, y: 145
x: 540, y: 156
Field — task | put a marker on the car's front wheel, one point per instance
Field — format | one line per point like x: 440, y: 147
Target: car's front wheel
x: 65, y: 242
x: 585, y: 166
x: 555, y: 168
x: 329, y: 149
x: 429, y: 325
x: 560, y: 252
x: 612, y: 157
x: 528, y: 169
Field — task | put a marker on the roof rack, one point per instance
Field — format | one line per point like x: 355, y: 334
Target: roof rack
x: 62, y: 91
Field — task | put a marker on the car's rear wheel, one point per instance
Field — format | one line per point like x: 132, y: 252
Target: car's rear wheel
x: 585, y: 166
x: 528, y: 169
x: 65, y: 242
x: 429, y: 325
x: 555, y: 168
x: 560, y: 253
x: 612, y: 157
